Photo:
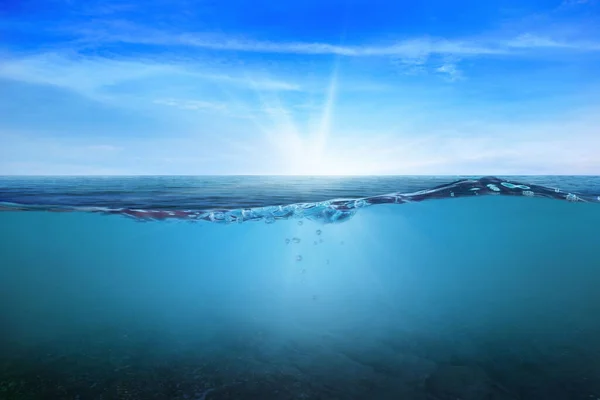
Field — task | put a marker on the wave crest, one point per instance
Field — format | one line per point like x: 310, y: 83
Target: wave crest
x: 330, y: 211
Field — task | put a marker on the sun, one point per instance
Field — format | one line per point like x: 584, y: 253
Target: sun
x: 308, y: 152
x: 307, y: 144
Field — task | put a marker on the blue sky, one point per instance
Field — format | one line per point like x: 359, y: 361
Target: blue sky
x: 306, y: 87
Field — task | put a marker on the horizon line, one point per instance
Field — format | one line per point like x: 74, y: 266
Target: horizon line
x: 278, y: 175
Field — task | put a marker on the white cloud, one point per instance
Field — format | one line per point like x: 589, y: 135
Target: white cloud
x: 412, y: 56
x: 195, y: 105
x: 93, y: 76
x: 104, y: 9
x: 558, y: 145
x: 253, y: 82
x: 103, y: 148
x: 531, y: 41
x: 409, y: 51
x: 279, y: 137
x: 570, y: 3
x: 75, y: 72
x: 450, y: 70
x: 33, y: 154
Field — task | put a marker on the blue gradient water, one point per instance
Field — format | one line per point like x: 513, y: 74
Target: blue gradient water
x: 483, y: 297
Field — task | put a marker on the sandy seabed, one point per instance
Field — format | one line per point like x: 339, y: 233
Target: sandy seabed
x: 253, y: 364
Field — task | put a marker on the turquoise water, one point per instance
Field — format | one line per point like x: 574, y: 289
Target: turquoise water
x: 479, y: 297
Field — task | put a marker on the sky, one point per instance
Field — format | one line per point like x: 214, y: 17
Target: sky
x: 338, y: 87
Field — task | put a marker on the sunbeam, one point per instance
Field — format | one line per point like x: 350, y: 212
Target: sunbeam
x: 324, y: 131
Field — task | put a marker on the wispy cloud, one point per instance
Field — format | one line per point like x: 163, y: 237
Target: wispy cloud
x: 102, y: 9
x: 195, y: 105
x: 531, y: 41
x: 570, y: 3
x: 412, y: 56
x: 411, y: 65
x: 106, y: 148
x: 408, y: 48
x: 247, y: 80
x: 95, y: 76
x: 450, y: 70
x: 201, y: 102
x: 412, y: 50
x: 495, y: 148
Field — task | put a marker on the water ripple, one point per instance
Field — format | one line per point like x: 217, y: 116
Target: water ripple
x: 329, y: 211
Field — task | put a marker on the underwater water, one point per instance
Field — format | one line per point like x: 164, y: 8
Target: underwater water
x: 203, y: 288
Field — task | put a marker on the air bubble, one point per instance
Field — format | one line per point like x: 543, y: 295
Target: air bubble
x: 360, y: 203
x: 513, y: 186
x: 298, y: 258
x: 287, y: 241
x: 318, y: 232
x: 296, y: 240
x: 300, y: 222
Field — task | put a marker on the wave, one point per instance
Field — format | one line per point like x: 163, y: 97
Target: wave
x: 330, y: 211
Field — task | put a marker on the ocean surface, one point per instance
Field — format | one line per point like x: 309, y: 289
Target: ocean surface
x: 366, y: 288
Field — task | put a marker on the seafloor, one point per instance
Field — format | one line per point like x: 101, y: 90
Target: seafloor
x: 252, y: 364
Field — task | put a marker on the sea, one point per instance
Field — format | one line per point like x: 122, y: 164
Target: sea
x: 325, y: 288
